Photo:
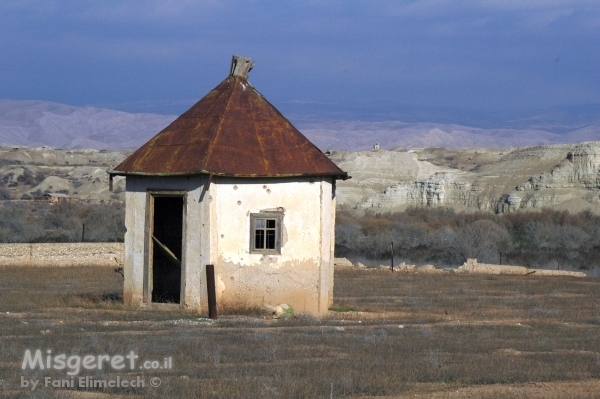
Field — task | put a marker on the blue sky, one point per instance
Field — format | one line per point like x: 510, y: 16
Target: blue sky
x: 161, y: 56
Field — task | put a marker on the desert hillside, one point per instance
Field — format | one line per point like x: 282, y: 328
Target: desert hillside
x: 26, y: 173
x: 563, y: 176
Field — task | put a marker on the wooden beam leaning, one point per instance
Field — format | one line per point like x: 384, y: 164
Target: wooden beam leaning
x: 167, y: 252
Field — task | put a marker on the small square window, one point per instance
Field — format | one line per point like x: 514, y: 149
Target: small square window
x: 265, y: 233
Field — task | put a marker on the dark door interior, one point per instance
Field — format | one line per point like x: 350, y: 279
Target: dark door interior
x: 167, y: 237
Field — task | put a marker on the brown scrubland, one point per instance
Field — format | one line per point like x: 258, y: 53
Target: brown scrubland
x: 390, y: 335
x: 542, y: 239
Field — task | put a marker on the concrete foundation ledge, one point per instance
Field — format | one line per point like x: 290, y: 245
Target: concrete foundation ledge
x: 62, y: 254
x: 471, y: 266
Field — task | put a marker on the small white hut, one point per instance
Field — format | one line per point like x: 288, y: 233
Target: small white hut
x: 230, y: 183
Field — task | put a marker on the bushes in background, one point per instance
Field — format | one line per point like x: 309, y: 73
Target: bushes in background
x: 61, y: 222
x: 546, y: 238
x: 537, y: 239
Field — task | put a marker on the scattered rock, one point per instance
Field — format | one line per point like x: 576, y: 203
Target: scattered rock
x: 342, y: 262
x: 283, y: 310
x: 428, y: 269
x: 403, y: 267
x: 543, y: 272
x: 471, y: 266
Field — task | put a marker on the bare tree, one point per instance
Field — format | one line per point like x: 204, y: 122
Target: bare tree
x: 484, y: 240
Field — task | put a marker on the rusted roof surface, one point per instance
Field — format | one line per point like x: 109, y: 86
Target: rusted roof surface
x: 232, y: 131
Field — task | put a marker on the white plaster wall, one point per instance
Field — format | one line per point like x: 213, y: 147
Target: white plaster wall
x: 217, y: 231
x: 237, y: 198
x: 332, y: 244
x: 297, y: 276
x: 195, y: 248
x: 327, y: 231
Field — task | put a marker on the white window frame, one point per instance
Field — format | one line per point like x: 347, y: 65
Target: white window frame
x: 254, y: 217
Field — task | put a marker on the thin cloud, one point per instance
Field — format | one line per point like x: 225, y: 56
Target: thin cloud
x: 432, y: 51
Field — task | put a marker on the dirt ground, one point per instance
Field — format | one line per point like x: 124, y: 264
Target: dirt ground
x: 541, y: 390
x: 388, y: 336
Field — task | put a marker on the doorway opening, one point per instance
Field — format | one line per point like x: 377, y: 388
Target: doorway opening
x: 167, y: 247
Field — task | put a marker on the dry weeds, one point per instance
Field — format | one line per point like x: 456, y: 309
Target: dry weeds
x: 438, y: 336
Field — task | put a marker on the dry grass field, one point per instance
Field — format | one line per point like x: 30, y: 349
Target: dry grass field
x: 390, y: 336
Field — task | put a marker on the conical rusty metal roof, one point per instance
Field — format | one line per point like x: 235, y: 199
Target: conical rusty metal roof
x: 232, y: 131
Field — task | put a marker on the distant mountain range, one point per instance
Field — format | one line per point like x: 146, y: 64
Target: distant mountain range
x: 41, y: 123
x: 329, y: 126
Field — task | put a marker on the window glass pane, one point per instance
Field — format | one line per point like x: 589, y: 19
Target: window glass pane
x: 259, y: 239
x: 265, y: 233
x: 270, y: 239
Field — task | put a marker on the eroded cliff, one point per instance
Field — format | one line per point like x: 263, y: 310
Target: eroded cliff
x: 497, y: 180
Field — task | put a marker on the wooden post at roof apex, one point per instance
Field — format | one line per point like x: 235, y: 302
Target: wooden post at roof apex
x: 241, y: 66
